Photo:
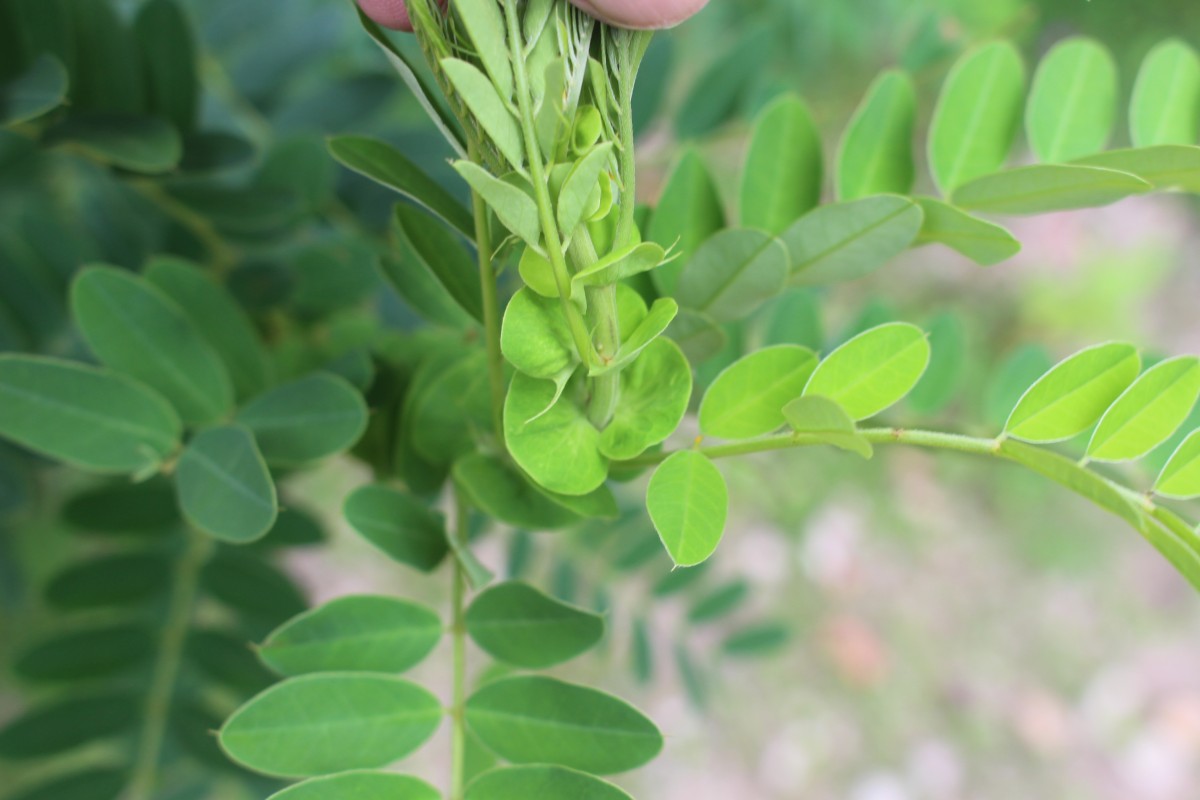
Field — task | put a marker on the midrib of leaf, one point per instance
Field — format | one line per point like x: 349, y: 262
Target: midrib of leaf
x: 91, y: 416
x: 1069, y: 107
x: 227, y: 478
x: 738, y: 409
x: 879, y: 367
x: 733, y: 278
x: 877, y: 151
x: 1161, y: 397
x: 841, y: 244
x: 606, y: 730
x: 1174, y: 87
x: 1108, y: 182
x: 973, y: 121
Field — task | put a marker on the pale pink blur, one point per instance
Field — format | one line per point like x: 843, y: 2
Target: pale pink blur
x: 626, y: 13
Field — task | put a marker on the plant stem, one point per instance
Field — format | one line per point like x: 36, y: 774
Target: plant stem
x: 222, y: 255
x: 541, y: 191
x: 458, y: 630
x: 491, y: 307
x: 144, y: 778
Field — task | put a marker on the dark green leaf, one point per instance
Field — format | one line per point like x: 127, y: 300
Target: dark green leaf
x: 170, y: 62
x: 543, y: 783
x: 139, y: 144
x: 249, y: 585
x: 439, y: 252
x: 65, y: 724
x: 124, y: 509
x: 225, y: 489
x: 41, y: 88
x: 719, y: 603
x: 120, y: 580
x: 361, y: 786
x: 733, y: 273
x: 519, y: 625
x: 228, y: 659
x: 399, y: 525
x: 306, y: 420
x: 88, y: 784
x: 86, y: 653
x: 504, y: 493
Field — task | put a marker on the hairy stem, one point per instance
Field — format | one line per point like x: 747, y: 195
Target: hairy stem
x: 491, y: 308
x: 541, y: 191
x: 144, y: 780
x: 458, y: 631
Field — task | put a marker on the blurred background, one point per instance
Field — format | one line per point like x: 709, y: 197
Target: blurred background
x: 919, y: 627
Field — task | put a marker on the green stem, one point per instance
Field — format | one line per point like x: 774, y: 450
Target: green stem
x: 222, y: 255
x: 491, y: 308
x: 458, y: 630
x: 628, y: 162
x: 605, y: 390
x: 541, y: 190
x: 144, y: 780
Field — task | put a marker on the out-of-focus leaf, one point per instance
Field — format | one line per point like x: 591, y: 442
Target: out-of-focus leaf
x: 136, y: 143
x: 542, y: 782
x: 983, y: 242
x: 1166, y: 98
x: 65, y: 724
x: 1073, y: 103
x: 41, y: 88
x: 846, y: 241
x: 688, y: 212
x: 361, y: 786
x: 733, y: 273
x: 224, y: 486
x: 399, y: 525
x: 876, y: 155
x: 1043, y: 188
x: 781, y: 180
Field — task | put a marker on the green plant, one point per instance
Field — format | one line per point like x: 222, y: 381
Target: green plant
x: 531, y: 407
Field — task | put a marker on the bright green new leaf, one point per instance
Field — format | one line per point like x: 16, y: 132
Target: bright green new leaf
x: 688, y: 502
x: 747, y: 399
x: 86, y: 653
x: 150, y: 145
x: 782, y: 178
x: 41, y: 88
x: 552, y: 440
x: 440, y: 253
x: 485, y: 25
x: 504, y: 493
x: 538, y: 273
x: 536, y: 720
x: 734, y: 273
x: 641, y: 335
x: 535, y: 337
x: 519, y: 625
x: 1166, y: 166
x: 386, y: 165
x: 821, y: 419
x: 399, y: 525
x: 332, y: 722
x: 542, y: 782
x: 1148, y: 412
x: 492, y: 113
x: 1166, y: 98
x: 1073, y: 103
x: 846, y: 241
x: 598, y: 504
x: 354, y: 634
x: 219, y: 320
x: 1071, y: 475
x: 621, y: 264
x: 306, y: 420
x: 93, y: 419
x: 874, y: 370
x: 655, y: 391
x: 1072, y: 396
x: 1180, y: 478
x: 511, y: 204
x: 580, y: 186
x: 1044, y: 188
x: 688, y: 212
x: 876, y: 154
x: 362, y: 785
x: 983, y: 242
x: 135, y: 328
x: 224, y: 486
x: 977, y: 116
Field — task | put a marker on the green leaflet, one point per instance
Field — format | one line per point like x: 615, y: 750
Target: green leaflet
x: 1148, y: 412
x: 580, y: 186
x: 93, y: 419
x: 134, y: 328
x: 441, y: 254
x: 149, y: 145
x: 361, y: 785
x: 1176, y: 540
x: 252, y: 587
x: 847, y: 241
x: 688, y: 212
x: 487, y: 107
x: 170, y: 62
x: 536, y: 720
x: 822, y: 419
x: 224, y: 486
x: 485, y: 26
x: 537, y: 273
x: 757, y: 641
x: 719, y: 603
x: 874, y: 370
x: 227, y: 659
x: 733, y: 273
x: 121, y: 508
x: 109, y: 581
x: 655, y: 391
x: 983, y: 242
x: 446, y: 414
x: 621, y: 264
x: 688, y: 502
x: 512, y: 205
x: 638, y: 337
x: 1165, y: 108
x: 781, y: 180
x: 947, y: 365
x: 1180, y: 478
x: 552, y: 440
x: 502, y: 492
x: 698, y: 336
x: 354, y: 634
x: 41, y: 88
x: 306, y: 420
x: 535, y: 337
x: 747, y: 399
x: 386, y: 165
x: 598, y: 504
x: 1044, y: 188
x: 64, y: 724
x: 86, y: 784
x: 399, y: 525
x: 542, y: 782
x: 86, y: 653
x: 1072, y: 396
x: 1166, y: 166
x: 332, y: 722
x: 519, y: 625
x: 876, y: 153
x: 218, y: 318
x: 1073, y: 102
x: 977, y: 115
